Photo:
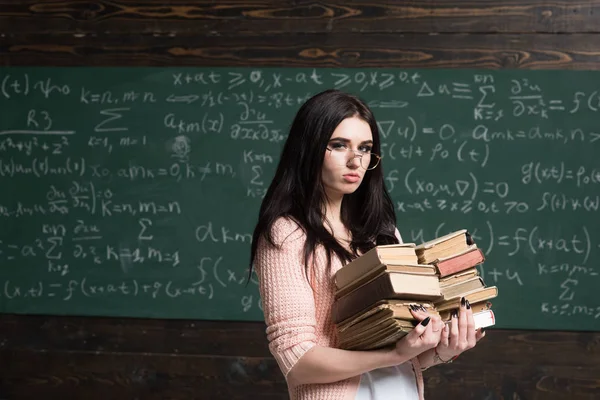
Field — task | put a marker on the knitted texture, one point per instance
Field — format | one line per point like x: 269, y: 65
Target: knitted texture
x: 297, y: 309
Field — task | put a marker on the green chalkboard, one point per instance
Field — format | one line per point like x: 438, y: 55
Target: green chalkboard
x: 134, y: 191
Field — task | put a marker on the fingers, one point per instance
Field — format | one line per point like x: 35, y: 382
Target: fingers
x: 421, y: 334
x: 421, y: 328
x: 445, y: 337
x: 454, y: 335
x: 462, y: 324
x: 437, y: 322
x: 470, y: 327
x: 418, y: 311
x: 418, y: 340
x: 479, y: 334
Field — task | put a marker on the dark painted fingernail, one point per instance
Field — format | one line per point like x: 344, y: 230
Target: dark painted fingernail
x: 463, y: 301
x: 412, y: 307
x: 454, y: 314
x: 468, y: 305
x: 425, y: 321
x: 423, y: 308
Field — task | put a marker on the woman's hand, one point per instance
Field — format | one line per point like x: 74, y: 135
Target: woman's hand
x: 459, y: 334
x: 426, y: 335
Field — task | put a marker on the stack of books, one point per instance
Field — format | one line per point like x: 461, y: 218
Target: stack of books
x: 455, y: 257
x: 375, y: 292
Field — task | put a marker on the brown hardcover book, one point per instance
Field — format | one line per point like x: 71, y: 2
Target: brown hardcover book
x: 386, y: 332
x: 476, y: 307
x: 458, y: 277
x: 369, y: 325
x: 474, y: 296
x: 452, y: 291
x: 444, y: 246
x: 419, y: 269
x: 380, y: 255
x: 392, y: 308
x: 464, y: 260
x: 388, y: 285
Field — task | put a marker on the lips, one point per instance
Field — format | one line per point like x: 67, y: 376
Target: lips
x: 352, y: 178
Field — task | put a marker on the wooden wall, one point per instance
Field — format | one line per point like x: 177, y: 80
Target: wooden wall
x: 102, y: 358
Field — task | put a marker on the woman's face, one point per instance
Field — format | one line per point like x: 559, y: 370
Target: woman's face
x: 342, y: 170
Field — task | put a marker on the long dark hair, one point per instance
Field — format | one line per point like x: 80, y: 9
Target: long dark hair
x: 297, y: 191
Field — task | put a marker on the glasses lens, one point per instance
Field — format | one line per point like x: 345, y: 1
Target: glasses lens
x: 370, y: 161
x: 367, y: 161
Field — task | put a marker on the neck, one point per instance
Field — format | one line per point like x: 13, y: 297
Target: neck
x: 333, y: 208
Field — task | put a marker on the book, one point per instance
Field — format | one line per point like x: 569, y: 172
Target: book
x: 388, y: 285
x: 399, y: 309
x: 459, y: 288
x: 484, y: 319
x: 419, y: 269
x: 458, y: 262
x: 484, y: 305
x: 379, y: 335
x: 373, y: 309
x: 444, y: 246
x: 458, y: 277
x: 379, y: 255
x: 474, y: 296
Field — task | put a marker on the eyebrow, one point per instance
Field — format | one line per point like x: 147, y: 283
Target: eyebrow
x: 341, y: 139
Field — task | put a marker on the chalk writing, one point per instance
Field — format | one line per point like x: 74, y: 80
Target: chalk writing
x: 140, y: 187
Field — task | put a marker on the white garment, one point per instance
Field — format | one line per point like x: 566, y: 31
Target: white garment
x: 397, y: 382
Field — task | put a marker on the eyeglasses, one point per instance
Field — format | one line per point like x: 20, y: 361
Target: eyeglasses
x: 342, y: 155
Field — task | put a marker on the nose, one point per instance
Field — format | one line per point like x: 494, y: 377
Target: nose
x: 355, y: 160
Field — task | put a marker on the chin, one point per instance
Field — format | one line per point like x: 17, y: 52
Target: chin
x: 349, y: 189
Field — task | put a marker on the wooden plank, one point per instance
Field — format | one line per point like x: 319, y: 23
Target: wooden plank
x: 493, y: 381
x: 59, y: 355
x: 51, y: 374
x: 89, y: 334
x: 537, y: 348
x: 79, y: 375
x: 536, y: 51
x: 203, y: 17
x: 248, y: 339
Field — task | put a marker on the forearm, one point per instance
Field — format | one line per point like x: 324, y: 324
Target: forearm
x: 327, y: 365
x: 426, y: 359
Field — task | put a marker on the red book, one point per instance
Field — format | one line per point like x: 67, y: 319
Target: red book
x: 459, y: 262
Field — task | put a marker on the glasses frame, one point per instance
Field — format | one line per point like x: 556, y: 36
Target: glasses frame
x: 360, y: 156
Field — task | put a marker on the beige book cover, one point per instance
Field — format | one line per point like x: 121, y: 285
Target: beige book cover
x: 475, y: 296
x: 458, y: 277
x: 444, y: 246
x: 372, y: 259
x: 446, y: 315
x: 419, y: 269
x: 385, y: 334
x: 448, y: 238
x: 459, y: 288
x: 389, y: 285
x: 399, y: 309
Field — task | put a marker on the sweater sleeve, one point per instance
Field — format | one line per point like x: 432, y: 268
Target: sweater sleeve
x: 286, y: 294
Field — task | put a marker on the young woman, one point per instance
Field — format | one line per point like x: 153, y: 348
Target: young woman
x: 326, y: 205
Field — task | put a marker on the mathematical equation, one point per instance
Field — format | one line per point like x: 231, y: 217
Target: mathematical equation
x: 114, y: 190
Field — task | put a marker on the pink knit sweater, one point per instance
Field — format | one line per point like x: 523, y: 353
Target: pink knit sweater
x: 297, y: 312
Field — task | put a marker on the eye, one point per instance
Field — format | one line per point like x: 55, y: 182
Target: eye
x: 338, y: 146
x: 365, y: 149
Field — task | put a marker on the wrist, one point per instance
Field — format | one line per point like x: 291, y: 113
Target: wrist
x: 397, y: 356
x: 442, y: 359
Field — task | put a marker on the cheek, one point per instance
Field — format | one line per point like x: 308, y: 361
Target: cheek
x: 328, y: 169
